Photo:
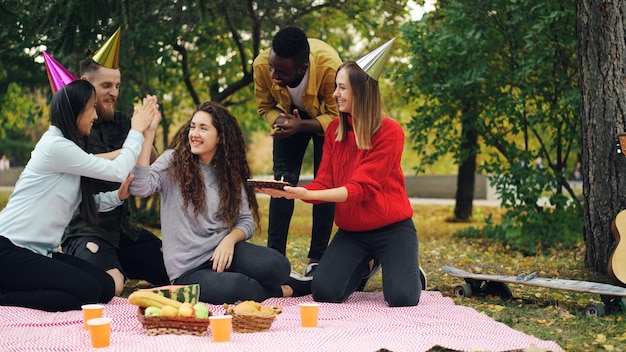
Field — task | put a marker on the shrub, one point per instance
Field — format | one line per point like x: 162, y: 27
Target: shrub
x: 534, y: 231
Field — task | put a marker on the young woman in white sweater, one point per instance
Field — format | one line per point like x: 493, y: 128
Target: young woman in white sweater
x: 54, y: 184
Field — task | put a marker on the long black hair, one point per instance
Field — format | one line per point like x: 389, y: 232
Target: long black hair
x: 66, y: 105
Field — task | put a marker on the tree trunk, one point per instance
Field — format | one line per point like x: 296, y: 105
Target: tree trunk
x: 466, y: 179
x: 601, y: 60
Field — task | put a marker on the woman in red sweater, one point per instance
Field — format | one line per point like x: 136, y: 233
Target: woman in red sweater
x: 361, y: 172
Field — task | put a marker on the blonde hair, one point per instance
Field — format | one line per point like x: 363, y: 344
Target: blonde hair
x: 367, y: 108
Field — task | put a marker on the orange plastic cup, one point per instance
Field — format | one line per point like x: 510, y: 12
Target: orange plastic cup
x: 91, y: 311
x: 221, y: 326
x: 100, y: 331
x: 308, y: 314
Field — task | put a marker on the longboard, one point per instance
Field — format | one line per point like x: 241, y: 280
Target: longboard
x: 613, y: 297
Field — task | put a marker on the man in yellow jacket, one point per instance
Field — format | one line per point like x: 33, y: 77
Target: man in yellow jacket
x: 294, y: 81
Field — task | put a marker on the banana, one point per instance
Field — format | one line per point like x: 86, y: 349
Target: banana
x: 147, y: 299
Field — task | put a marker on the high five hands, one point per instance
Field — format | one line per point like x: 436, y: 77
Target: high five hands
x: 145, y: 114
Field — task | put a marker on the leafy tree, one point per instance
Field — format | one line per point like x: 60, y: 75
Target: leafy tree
x: 21, y: 124
x: 447, y: 70
x: 506, y: 73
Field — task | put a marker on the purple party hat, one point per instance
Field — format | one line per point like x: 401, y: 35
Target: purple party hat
x: 58, y: 75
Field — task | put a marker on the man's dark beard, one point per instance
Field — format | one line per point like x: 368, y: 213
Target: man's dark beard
x: 104, y: 114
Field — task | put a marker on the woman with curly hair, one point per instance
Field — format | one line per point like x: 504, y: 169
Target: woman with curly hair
x: 208, y: 212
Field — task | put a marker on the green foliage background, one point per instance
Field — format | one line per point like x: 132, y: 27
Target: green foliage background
x: 505, y: 71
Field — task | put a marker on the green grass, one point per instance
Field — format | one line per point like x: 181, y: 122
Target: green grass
x: 547, y: 314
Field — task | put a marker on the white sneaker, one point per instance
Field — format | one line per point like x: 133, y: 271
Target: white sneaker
x: 310, y: 269
x: 296, y: 276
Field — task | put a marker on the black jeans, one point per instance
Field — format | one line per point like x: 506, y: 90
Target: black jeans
x: 346, y: 263
x: 60, y: 283
x: 141, y: 259
x: 288, y: 156
x: 257, y: 272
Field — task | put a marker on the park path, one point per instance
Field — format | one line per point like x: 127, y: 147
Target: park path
x: 432, y: 201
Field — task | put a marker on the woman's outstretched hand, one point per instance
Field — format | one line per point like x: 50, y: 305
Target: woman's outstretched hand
x: 287, y: 192
x: 123, y: 192
x: 144, y: 114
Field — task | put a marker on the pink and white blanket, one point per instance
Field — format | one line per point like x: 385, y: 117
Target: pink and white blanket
x: 363, y: 323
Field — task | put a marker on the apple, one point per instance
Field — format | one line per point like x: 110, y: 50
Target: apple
x: 152, y: 311
x: 202, y: 312
x: 169, y: 311
x: 186, y: 310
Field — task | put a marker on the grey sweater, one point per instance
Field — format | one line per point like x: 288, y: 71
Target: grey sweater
x: 187, y: 242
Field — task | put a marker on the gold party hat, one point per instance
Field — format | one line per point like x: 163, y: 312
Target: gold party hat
x: 374, y: 61
x: 109, y: 54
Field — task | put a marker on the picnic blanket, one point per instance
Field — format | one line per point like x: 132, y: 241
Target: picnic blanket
x: 363, y: 323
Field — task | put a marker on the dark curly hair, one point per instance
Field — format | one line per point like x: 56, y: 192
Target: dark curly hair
x: 292, y: 43
x: 230, y: 164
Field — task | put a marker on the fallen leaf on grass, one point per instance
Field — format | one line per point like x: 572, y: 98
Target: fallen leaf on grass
x: 495, y: 307
x: 543, y: 321
x: 558, y: 295
x: 565, y: 314
x: 600, y: 338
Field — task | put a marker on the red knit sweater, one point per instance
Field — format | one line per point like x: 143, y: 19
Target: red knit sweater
x: 374, y: 178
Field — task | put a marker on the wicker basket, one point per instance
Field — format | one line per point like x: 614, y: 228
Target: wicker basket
x: 252, y: 322
x: 157, y: 325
